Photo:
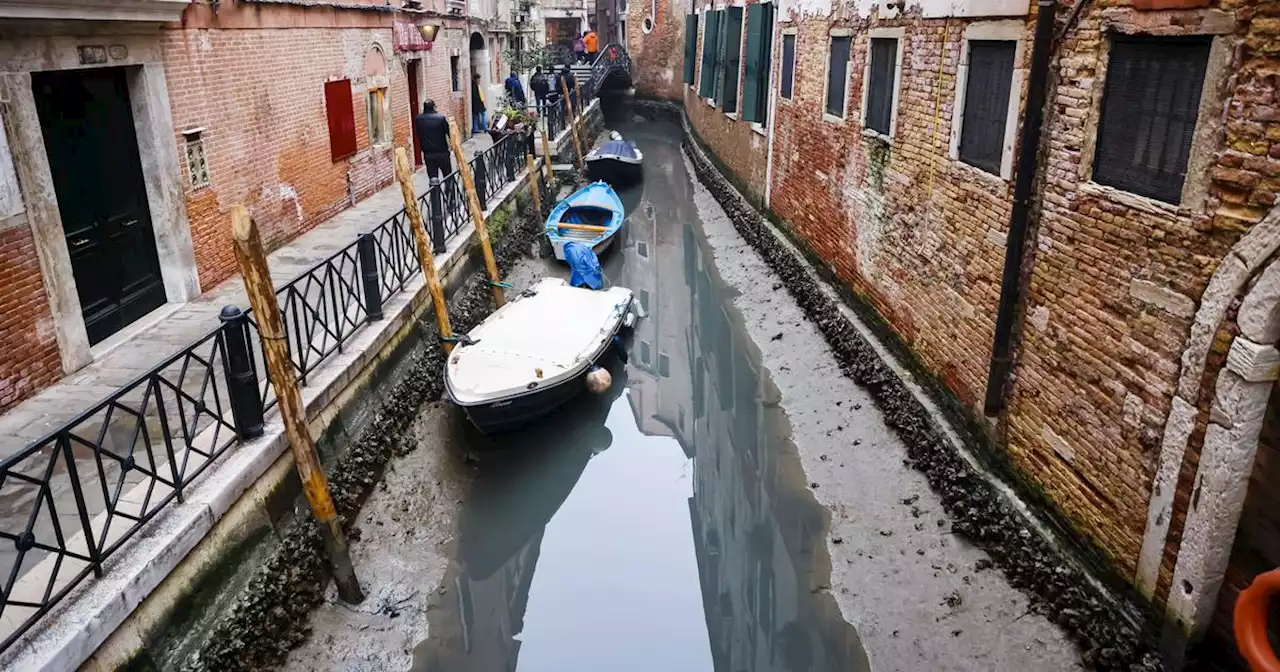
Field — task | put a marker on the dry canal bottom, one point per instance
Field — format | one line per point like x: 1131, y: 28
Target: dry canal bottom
x: 732, y: 503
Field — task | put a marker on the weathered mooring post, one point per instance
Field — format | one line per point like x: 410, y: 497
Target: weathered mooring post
x: 477, y: 215
x: 252, y: 258
x: 534, y: 178
x: 573, y: 124
x: 546, y: 149
x: 404, y: 175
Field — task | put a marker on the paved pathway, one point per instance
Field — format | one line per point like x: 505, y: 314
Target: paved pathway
x: 177, y: 328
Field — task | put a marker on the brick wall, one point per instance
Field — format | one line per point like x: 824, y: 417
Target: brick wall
x: 258, y: 93
x: 28, y: 350
x: 657, y: 59
x: 1116, y: 277
x: 741, y: 150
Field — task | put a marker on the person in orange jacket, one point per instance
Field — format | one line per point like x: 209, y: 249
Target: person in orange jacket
x: 593, y: 45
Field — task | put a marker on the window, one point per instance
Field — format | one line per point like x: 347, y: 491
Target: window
x: 730, y: 57
x: 644, y: 301
x: 1149, y: 109
x: 645, y: 353
x: 453, y: 74
x: 788, y: 75
x: 882, y: 71
x: 710, y: 48
x: 986, y: 103
x: 755, y: 99
x: 379, y: 128
x: 340, y: 111
x: 838, y: 74
x: 664, y: 365
x: 690, y: 48
x: 197, y: 167
x: 642, y: 249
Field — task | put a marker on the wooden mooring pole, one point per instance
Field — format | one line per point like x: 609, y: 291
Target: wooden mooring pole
x: 533, y: 183
x: 404, y: 175
x: 573, y: 124
x: 477, y: 215
x: 252, y: 258
x: 546, y: 151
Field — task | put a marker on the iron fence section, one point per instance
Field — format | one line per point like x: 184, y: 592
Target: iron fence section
x: 71, y: 499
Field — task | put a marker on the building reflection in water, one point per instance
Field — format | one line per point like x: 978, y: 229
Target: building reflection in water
x: 693, y: 376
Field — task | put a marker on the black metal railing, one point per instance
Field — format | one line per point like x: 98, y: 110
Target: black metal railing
x: 71, y: 499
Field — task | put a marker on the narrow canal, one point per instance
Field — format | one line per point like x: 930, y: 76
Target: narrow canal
x: 664, y: 526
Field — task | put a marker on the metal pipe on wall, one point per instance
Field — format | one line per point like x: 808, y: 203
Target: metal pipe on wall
x: 1020, y: 218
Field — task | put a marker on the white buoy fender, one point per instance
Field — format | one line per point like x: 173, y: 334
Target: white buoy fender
x: 598, y: 380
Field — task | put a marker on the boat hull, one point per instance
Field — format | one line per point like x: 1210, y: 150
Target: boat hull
x: 599, y: 248
x: 614, y: 171
x: 509, y: 415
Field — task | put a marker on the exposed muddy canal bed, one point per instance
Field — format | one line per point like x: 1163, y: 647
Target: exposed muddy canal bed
x: 734, y: 502
x: 665, y: 525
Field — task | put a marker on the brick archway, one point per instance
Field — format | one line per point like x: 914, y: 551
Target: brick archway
x: 1242, y: 394
x: 1245, y: 261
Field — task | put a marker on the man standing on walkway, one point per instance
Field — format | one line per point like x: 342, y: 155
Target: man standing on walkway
x: 515, y: 91
x: 567, y: 79
x: 479, y: 123
x: 432, y: 130
x: 592, y: 43
x: 541, y: 87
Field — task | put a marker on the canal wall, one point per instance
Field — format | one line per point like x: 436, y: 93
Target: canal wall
x: 1038, y: 556
x: 240, y: 596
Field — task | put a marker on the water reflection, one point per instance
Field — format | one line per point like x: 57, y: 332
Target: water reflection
x: 692, y: 543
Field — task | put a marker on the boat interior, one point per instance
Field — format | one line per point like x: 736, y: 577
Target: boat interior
x: 584, y: 222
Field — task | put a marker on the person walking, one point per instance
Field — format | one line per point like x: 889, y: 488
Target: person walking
x: 570, y: 84
x: 541, y: 87
x: 592, y: 43
x: 479, y: 122
x: 515, y: 90
x: 432, y: 131
x: 580, y: 48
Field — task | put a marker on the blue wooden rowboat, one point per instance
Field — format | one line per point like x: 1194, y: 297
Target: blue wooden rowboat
x: 592, y: 215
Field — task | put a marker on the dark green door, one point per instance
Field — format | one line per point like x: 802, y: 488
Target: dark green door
x: 97, y: 175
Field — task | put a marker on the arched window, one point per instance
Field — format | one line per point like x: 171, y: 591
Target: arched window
x: 378, y: 104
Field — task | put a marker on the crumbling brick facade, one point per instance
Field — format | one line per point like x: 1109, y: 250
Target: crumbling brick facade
x: 29, y: 356
x: 1115, y: 277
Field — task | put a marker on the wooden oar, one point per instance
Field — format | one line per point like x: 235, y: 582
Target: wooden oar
x: 583, y: 227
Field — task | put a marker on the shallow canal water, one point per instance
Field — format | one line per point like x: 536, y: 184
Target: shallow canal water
x: 663, y: 526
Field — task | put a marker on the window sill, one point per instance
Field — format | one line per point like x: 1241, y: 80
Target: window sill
x: 873, y: 133
x: 709, y: 101
x: 1129, y: 199
x: 832, y: 119
x: 760, y: 130
x: 732, y: 115
x: 971, y: 172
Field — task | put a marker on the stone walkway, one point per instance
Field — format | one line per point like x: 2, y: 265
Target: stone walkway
x: 174, y: 328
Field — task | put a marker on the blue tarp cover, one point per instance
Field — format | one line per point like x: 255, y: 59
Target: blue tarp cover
x: 617, y: 148
x: 585, y: 266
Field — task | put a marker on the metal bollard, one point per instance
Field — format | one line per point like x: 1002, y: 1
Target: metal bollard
x: 242, y: 380
x: 481, y: 178
x: 437, y: 216
x: 367, y: 250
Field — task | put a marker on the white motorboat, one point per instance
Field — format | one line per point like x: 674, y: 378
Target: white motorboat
x: 532, y: 355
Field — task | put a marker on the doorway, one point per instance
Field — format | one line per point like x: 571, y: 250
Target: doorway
x: 415, y: 108
x: 87, y: 122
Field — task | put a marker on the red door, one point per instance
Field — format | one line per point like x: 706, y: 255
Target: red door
x: 414, y: 108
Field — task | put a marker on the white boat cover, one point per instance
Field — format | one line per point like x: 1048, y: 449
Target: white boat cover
x: 559, y: 331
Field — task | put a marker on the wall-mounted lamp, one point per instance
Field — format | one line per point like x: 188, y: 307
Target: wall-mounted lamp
x: 428, y: 32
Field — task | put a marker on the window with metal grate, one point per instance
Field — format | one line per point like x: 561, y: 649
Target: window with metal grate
x: 710, y: 34
x: 884, y: 63
x: 786, y: 86
x: 1149, y: 109
x: 755, y: 80
x: 730, y: 56
x: 838, y: 75
x: 986, y: 103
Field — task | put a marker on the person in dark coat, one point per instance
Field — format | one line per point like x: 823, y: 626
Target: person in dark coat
x: 515, y: 90
x: 541, y: 87
x: 566, y: 77
x: 432, y: 131
x: 479, y: 122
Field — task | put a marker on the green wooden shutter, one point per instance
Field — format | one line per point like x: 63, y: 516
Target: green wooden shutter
x: 707, y: 77
x: 690, y: 48
x: 751, y: 91
x: 730, y: 58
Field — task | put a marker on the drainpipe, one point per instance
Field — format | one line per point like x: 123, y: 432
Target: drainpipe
x: 1019, y: 219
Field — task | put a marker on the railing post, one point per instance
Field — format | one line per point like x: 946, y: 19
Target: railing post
x: 436, y: 204
x: 367, y: 249
x: 481, y: 178
x: 242, y: 380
